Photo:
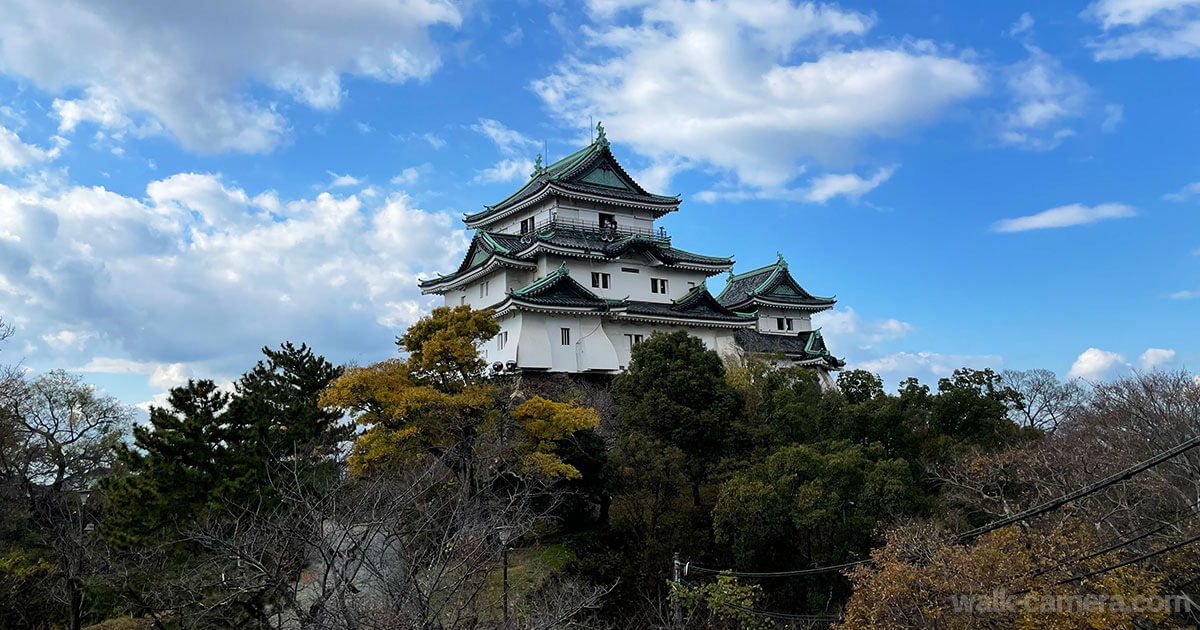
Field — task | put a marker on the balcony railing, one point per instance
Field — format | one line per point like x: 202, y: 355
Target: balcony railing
x: 611, y: 231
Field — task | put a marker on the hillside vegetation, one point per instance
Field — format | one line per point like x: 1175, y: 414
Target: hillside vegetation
x: 383, y: 496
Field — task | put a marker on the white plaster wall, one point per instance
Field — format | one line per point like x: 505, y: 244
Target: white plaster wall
x: 617, y: 329
x: 622, y: 284
x: 768, y: 316
x: 497, y: 281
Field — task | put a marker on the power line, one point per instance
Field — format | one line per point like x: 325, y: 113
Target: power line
x: 1145, y: 556
x: 1082, y: 492
x: 1146, y: 533
x: 979, y: 531
x: 771, y: 574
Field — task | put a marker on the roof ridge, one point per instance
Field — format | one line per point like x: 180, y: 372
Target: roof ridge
x: 739, y: 276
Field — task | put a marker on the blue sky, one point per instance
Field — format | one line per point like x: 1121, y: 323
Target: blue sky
x: 1012, y: 185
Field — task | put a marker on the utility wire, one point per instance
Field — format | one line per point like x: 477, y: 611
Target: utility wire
x: 1082, y: 492
x: 1145, y: 556
x: 771, y: 574
x: 1191, y: 513
x: 979, y: 531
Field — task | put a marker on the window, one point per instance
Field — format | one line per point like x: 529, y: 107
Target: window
x: 501, y: 340
x: 779, y: 323
x: 789, y: 324
x: 566, y: 336
x: 631, y: 270
x: 607, y: 221
x: 633, y: 339
x: 658, y: 285
x: 483, y: 288
x: 527, y: 225
x: 600, y: 280
x: 462, y: 299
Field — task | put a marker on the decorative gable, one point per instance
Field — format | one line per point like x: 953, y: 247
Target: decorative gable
x: 604, y: 175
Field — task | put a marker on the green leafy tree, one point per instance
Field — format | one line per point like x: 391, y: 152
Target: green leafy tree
x: 277, y: 405
x: 812, y: 505
x: 973, y: 406
x: 675, y: 391
x: 208, y: 447
x: 180, y: 464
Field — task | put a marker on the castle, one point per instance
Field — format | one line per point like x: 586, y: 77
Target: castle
x: 577, y: 274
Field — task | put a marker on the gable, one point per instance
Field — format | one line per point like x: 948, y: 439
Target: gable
x: 784, y: 289
x: 604, y: 175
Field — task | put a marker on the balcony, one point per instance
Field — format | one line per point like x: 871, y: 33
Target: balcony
x: 611, y: 232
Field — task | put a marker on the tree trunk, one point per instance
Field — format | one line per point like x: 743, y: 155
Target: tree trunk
x: 696, y: 493
x: 605, y: 504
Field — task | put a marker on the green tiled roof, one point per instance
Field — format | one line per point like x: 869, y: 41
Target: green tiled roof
x: 804, y: 346
x: 773, y: 283
x: 486, y: 244
x: 558, y: 288
x: 591, y: 170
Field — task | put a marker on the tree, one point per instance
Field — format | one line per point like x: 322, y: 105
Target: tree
x: 1046, y: 402
x: 812, y: 505
x: 439, y: 403
x: 859, y: 386
x: 279, y: 404
x: 59, y: 437
x: 920, y: 579
x: 973, y: 406
x: 179, y: 466
x: 675, y: 391
x: 207, y: 446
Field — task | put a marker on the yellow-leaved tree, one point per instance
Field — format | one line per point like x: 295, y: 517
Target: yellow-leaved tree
x: 1008, y: 578
x: 440, y: 402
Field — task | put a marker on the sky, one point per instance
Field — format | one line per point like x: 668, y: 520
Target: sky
x: 1010, y: 185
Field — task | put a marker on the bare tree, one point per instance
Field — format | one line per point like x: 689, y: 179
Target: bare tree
x: 395, y: 551
x: 1046, y: 402
x: 1123, y: 422
x: 59, y: 438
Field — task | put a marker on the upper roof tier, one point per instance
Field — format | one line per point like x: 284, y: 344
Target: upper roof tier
x: 772, y: 285
x: 589, y: 173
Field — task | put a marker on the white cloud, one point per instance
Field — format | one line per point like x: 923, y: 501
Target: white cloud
x: 1166, y: 29
x: 1095, y: 363
x: 185, y: 66
x: 342, y: 181
x: 904, y: 364
x: 828, y: 186
x: 198, y: 275
x: 1185, y: 295
x: 1044, y: 99
x: 513, y: 37
x: 1190, y: 191
x: 846, y: 331
x: 434, y: 140
x: 163, y: 376
x: 406, y: 177
x: 509, y: 141
x: 757, y: 89
x: 1113, y: 115
x: 1023, y: 24
x: 15, y: 154
x: 505, y: 171
x: 67, y: 339
x: 1154, y: 357
x: 1064, y: 216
